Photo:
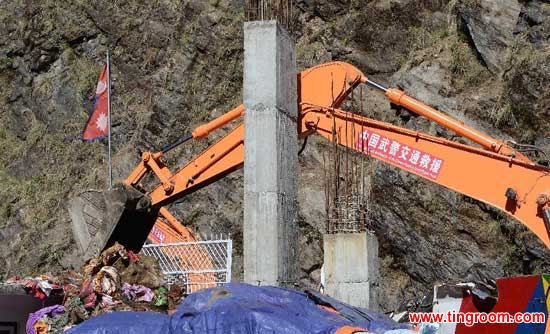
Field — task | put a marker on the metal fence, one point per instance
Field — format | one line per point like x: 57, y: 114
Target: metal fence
x: 194, y: 265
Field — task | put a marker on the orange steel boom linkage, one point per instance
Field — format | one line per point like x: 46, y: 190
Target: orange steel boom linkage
x: 495, y: 174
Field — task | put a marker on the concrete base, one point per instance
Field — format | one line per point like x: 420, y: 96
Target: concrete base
x: 271, y: 155
x: 351, y: 268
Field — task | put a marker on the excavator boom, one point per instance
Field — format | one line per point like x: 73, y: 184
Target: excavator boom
x: 510, y: 184
x: 495, y: 174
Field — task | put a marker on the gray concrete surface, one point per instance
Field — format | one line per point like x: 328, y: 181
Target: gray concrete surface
x: 271, y: 155
x: 351, y: 268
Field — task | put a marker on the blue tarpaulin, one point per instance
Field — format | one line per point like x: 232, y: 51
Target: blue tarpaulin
x: 244, y: 309
x: 124, y: 322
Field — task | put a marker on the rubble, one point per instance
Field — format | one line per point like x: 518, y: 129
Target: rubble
x: 116, y: 280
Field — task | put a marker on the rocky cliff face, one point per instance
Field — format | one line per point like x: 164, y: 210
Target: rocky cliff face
x: 179, y: 63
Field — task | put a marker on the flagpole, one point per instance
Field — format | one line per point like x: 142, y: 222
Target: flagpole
x: 109, y: 115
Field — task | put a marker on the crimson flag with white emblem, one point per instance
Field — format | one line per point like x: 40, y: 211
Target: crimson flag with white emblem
x: 98, y: 123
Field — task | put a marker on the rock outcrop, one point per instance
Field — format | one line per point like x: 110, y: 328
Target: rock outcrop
x: 491, y: 25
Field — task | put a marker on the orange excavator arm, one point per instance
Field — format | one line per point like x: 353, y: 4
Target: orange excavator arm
x: 495, y: 174
x: 227, y: 155
x: 513, y: 185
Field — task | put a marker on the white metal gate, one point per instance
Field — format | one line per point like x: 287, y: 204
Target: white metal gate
x: 194, y: 265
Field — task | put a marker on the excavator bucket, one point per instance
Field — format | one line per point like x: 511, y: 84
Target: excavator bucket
x: 99, y: 218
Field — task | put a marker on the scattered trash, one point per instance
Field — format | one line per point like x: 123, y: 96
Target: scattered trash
x: 116, y: 280
x: 40, y: 321
x: 161, y: 297
x: 39, y: 287
x: 106, y: 281
x: 174, y: 296
x: 139, y: 293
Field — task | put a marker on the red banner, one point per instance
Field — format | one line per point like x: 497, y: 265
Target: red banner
x: 393, y: 151
x: 98, y: 123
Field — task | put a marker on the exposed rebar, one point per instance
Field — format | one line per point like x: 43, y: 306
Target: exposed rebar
x: 263, y: 10
x: 345, y: 170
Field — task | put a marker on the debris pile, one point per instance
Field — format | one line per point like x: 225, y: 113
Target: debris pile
x: 117, y: 280
x: 90, y: 301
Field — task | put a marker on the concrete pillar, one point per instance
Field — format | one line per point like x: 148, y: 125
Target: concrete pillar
x: 271, y: 155
x: 351, y: 268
